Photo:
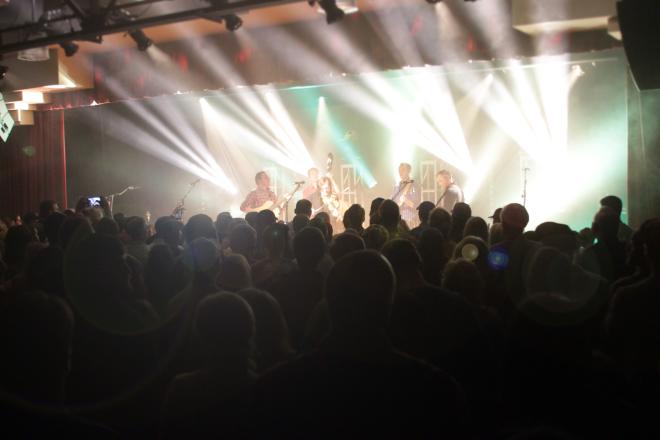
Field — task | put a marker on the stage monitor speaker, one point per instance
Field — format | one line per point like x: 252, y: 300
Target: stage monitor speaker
x: 640, y: 27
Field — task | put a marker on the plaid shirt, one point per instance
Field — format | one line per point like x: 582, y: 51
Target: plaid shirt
x: 256, y: 198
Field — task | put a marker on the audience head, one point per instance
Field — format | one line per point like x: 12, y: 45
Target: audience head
x: 440, y: 219
x: 389, y: 214
x: 373, y: 210
x: 73, y: 228
x: 472, y: 249
x: 251, y: 219
x: 202, y: 256
x: 558, y: 236
x: 303, y: 207
x: 433, y: 248
x: 225, y: 325
x: 17, y: 241
x: 461, y: 211
x: 199, y: 226
x: 359, y: 292
x: 514, y: 218
x: 272, y: 334
x: 52, y: 225
x: 322, y: 222
x: 299, y: 221
x: 463, y: 276
x: 265, y: 218
x: 276, y: 240
x: 375, y: 237
x: 606, y: 225
x: 497, y: 216
x: 424, y: 210
x: 136, y: 228
x: 403, y: 257
x: 614, y: 203
x: 234, y: 274
x: 222, y: 224
x: 309, y: 247
x: 170, y: 232
x: 109, y: 227
x: 344, y: 244
x: 477, y: 227
x: 354, y: 217
x: 549, y: 272
x: 47, y: 207
x: 243, y: 240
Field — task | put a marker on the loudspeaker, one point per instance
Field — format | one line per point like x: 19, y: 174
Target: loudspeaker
x: 640, y: 27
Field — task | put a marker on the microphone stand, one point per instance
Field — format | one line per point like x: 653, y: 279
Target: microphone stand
x: 287, y: 199
x: 179, y: 210
x: 524, y: 194
x: 111, y: 197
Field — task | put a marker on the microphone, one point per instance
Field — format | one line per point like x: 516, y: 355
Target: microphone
x: 302, y: 182
x: 195, y: 182
x: 131, y: 188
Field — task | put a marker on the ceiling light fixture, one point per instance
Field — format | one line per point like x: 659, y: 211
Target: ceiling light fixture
x: 143, y: 42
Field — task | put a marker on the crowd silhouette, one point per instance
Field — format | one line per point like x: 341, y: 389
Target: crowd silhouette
x: 253, y: 328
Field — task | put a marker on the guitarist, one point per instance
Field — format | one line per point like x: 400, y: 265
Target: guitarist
x: 406, y: 195
x: 260, y: 198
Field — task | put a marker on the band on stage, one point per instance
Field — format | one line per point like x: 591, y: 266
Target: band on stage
x: 325, y: 196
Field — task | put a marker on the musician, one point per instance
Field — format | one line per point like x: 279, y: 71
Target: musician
x: 329, y: 199
x: 406, y: 194
x: 452, y: 193
x: 262, y: 197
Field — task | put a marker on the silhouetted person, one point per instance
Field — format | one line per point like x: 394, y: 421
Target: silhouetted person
x: 214, y: 400
x: 356, y: 382
x: 36, y: 332
x: 52, y: 225
x: 344, y: 244
x: 374, y: 215
x: 301, y: 290
x: 375, y: 237
x: 303, y: 207
x: 199, y: 226
x: 136, y: 228
x: 108, y: 226
x: 163, y: 276
x: 607, y: 257
x: 440, y: 219
x: 390, y: 218
x: 510, y: 259
x: 272, y: 342
x: 477, y: 227
x: 299, y: 222
x: 17, y: 240
x: 435, y: 251
x: 234, y: 273
x: 222, y: 225
x: 624, y: 232
x: 354, y: 218
x: 276, y: 263
x: 436, y: 325
x: 460, y: 215
x: 243, y: 241
x: 423, y: 210
x: 633, y: 322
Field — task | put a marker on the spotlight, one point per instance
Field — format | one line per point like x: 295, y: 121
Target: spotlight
x: 143, y: 42
x: 233, y: 22
x: 333, y: 13
x: 3, y: 71
x: 70, y: 48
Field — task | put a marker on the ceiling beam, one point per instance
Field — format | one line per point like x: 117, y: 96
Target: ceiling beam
x: 92, y: 33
